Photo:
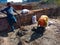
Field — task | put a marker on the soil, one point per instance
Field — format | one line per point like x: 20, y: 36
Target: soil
x: 26, y: 35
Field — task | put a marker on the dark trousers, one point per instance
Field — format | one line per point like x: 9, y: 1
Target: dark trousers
x: 11, y: 22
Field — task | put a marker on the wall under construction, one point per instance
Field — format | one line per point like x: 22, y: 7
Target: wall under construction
x: 27, y: 19
x: 20, y: 7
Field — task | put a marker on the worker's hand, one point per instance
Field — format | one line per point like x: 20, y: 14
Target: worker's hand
x: 18, y: 14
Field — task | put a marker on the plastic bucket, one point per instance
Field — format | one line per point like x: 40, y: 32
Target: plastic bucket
x: 34, y: 19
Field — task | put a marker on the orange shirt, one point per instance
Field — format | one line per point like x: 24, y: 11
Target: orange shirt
x: 43, y: 20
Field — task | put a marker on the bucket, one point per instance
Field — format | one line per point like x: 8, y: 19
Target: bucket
x: 34, y: 19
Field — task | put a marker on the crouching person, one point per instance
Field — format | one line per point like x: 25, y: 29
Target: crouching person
x: 43, y: 20
x: 42, y: 23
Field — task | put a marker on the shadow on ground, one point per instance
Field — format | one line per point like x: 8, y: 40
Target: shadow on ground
x: 37, y: 33
x: 4, y: 33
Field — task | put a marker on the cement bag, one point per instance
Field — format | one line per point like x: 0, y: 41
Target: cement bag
x: 34, y: 19
x: 24, y: 11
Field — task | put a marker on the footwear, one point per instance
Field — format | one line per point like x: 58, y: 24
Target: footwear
x: 11, y: 30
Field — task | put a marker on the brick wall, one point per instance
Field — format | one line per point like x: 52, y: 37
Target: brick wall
x: 26, y: 19
x: 20, y: 7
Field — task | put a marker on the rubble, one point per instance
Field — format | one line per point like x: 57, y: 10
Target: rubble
x: 51, y: 36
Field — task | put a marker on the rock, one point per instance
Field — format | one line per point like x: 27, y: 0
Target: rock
x: 22, y: 33
x: 1, y: 40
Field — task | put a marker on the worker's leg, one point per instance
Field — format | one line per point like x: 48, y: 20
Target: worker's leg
x: 11, y: 24
x: 40, y: 29
x: 12, y: 28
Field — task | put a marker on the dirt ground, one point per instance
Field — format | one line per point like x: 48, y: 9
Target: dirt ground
x: 25, y: 35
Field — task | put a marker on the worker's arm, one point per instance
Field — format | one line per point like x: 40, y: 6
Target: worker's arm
x: 15, y: 11
x: 3, y: 11
x: 38, y: 22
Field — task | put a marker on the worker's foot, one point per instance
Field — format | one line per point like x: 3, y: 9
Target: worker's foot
x: 11, y: 30
x: 14, y: 31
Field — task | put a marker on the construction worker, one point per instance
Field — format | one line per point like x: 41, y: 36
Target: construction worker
x: 43, y: 20
x: 9, y: 11
x: 42, y: 23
